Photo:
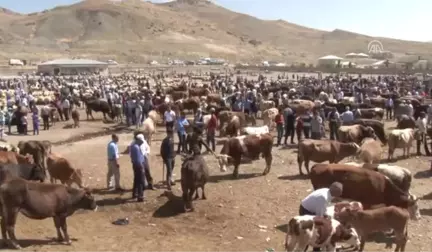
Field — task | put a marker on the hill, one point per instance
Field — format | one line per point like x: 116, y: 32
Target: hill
x: 136, y: 31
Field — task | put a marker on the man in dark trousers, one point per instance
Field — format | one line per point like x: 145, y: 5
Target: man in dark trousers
x: 168, y: 156
x: 137, y: 159
x: 195, y: 141
x: 289, y: 117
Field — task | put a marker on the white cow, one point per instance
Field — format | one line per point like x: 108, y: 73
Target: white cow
x: 256, y: 130
x: 401, y: 139
x: 269, y: 117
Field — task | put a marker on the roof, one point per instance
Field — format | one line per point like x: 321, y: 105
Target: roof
x: 363, y: 55
x: 73, y: 62
x: 330, y: 57
x: 351, y: 54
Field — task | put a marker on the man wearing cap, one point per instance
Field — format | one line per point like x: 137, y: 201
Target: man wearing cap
x: 168, y: 156
x: 137, y: 159
x: 113, y: 175
x: 317, y: 202
x: 145, y: 150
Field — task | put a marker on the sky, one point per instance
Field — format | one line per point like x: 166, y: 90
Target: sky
x: 400, y: 19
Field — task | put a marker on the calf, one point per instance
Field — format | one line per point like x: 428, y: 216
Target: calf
x: 342, y: 206
x: 194, y: 175
x: 317, y: 231
x: 59, y: 168
x: 381, y: 219
x: 355, y: 133
x: 370, y: 151
x: 40, y: 201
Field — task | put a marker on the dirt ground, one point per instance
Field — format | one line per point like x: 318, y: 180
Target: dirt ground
x: 231, y: 219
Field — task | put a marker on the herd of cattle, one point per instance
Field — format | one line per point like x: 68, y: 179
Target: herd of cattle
x: 380, y: 193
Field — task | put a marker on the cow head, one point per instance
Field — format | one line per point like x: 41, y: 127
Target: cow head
x: 346, y: 234
x: 38, y: 173
x: 369, y: 132
x: 413, y: 207
x: 87, y: 201
x: 223, y: 160
x: 353, y: 148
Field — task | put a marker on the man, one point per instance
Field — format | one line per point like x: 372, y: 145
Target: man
x: 422, y: 126
x: 137, y: 159
x: 347, y: 116
x: 195, y: 141
x: 45, y: 114
x: 181, y: 124
x: 145, y: 150
x: 66, y: 108
x: 334, y: 121
x: 169, y: 118
x: 168, y: 157
x: 389, y: 108
x: 317, y: 202
x: 316, y: 126
x: 199, y: 119
x: 279, y: 120
x: 113, y: 164
x: 290, y: 117
x: 211, y: 129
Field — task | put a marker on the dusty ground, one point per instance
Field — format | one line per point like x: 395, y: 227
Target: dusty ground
x: 228, y: 220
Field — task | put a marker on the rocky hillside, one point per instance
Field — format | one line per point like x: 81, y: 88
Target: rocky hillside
x: 136, y: 31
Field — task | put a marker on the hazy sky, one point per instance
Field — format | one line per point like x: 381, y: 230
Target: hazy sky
x: 401, y: 19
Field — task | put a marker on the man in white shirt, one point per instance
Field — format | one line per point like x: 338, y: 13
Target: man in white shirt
x: 145, y: 150
x: 66, y: 108
x: 317, y: 202
x: 169, y: 118
x: 422, y: 127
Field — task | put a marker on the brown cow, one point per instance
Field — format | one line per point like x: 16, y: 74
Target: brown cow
x: 215, y: 98
x: 355, y: 133
x: 59, y: 168
x: 369, y: 187
x: 232, y: 129
x: 370, y: 151
x: 199, y: 91
x: 178, y: 95
x: 323, y: 150
x: 192, y: 103
x: 40, y: 201
x: 9, y: 157
x: 250, y: 146
x: 367, y: 222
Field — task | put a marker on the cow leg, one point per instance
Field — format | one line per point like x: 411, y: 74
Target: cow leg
x: 290, y: 243
x: 63, y: 226
x: 306, y: 166
x: 236, y: 170
x: 3, y: 232
x: 300, y: 163
x: 185, y: 200
x: 268, y: 159
x: 203, y: 193
x: 57, y: 225
x: 362, y: 243
x: 191, y: 192
x: 196, y: 194
x: 10, y: 216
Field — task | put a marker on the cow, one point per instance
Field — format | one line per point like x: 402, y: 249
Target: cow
x: 268, y: 117
x: 178, y: 95
x: 250, y: 146
x: 400, y: 176
x: 40, y: 201
x: 225, y: 117
x: 38, y: 149
x: 97, y: 105
x: 59, y: 168
x: 371, y: 113
x: 376, y: 125
x: 255, y: 130
x: 192, y: 103
x: 370, y: 221
x: 194, y: 175
x: 369, y: 187
x: 342, y: 206
x: 24, y: 171
x: 149, y: 128
x: 401, y: 138
x: 309, y: 230
x: 232, y: 128
x: 264, y: 105
x: 117, y: 112
x: 355, y: 133
x: 75, y: 117
x: 323, y: 150
x: 200, y: 91
x: 406, y: 122
x: 370, y: 151
x: 9, y: 157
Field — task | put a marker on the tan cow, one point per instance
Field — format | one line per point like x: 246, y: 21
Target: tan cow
x: 301, y: 106
x: 401, y: 138
x: 149, y: 128
x: 370, y: 151
x: 355, y: 133
x: 59, y: 168
x: 269, y: 117
x: 323, y: 150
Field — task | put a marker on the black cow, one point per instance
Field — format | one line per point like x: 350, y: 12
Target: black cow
x: 98, y: 105
x: 25, y: 171
x: 194, y: 174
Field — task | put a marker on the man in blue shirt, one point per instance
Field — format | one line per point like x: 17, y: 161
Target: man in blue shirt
x: 137, y: 159
x: 113, y: 176
x: 181, y: 123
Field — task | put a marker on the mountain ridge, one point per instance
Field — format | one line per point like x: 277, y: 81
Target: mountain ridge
x: 137, y: 31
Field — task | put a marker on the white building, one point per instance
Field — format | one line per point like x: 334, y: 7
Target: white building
x: 72, y: 67
x: 329, y: 60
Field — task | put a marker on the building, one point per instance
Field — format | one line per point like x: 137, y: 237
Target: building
x: 72, y: 67
x: 329, y: 60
